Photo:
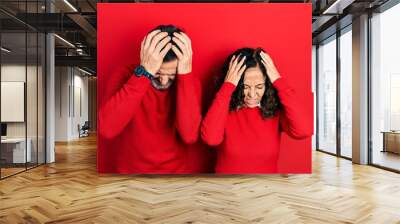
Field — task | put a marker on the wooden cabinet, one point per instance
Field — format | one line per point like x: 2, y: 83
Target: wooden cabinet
x: 391, y: 141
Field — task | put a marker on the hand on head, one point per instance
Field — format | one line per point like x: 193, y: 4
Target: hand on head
x: 184, y: 52
x: 236, y: 69
x: 269, y: 65
x: 153, y: 49
x: 156, y: 45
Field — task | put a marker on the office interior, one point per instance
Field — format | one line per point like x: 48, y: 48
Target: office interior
x: 48, y: 85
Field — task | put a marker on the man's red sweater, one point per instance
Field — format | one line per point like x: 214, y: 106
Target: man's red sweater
x: 151, y: 130
x: 247, y: 143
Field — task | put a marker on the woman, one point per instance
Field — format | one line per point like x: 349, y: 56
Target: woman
x: 253, y: 105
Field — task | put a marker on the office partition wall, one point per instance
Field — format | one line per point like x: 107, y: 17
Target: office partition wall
x: 22, y: 79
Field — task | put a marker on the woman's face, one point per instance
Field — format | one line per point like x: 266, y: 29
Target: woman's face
x: 254, y: 86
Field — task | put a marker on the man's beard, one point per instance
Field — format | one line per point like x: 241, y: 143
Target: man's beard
x: 156, y: 84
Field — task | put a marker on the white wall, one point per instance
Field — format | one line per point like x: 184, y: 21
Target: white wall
x: 81, y: 100
x: 33, y: 127
x: 12, y: 73
x: 71, y: 93
x: 61, y: 103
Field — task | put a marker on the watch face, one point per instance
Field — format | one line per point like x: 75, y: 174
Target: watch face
x: 139, y: 70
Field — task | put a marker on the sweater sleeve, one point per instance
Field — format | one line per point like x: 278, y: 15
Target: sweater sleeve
x: 213, y: 125
x: 123, y: 94
x: 295, y: 120
x: 188, y: 108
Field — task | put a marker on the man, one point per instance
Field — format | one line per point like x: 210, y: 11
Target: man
x: 152, y: 112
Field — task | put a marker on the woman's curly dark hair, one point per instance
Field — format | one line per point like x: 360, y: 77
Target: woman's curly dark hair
x: 270, y: 101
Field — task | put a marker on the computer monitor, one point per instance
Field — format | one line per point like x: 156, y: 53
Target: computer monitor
x: 3, y: 129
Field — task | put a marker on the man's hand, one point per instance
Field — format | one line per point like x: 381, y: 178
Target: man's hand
x: 184, y: 54
x: 272, y: 72
x: 154, y: 47
x: 236, y: 69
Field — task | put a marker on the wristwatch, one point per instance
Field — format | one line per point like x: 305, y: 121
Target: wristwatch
x: 140, y: 70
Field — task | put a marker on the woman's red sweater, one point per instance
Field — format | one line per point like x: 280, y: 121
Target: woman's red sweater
x: 247, y: 143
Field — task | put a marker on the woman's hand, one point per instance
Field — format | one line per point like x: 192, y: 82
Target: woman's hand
x: 154, y: 47
x: 236, y: 69
x: 272, y: 72
x: 184, y: 53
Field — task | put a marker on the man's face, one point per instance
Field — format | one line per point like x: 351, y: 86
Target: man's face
x: 164, y: 78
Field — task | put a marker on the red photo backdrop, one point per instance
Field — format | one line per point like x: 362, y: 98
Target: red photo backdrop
x: 216, y: 30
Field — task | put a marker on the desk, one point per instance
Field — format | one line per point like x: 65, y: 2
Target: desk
x: 13, y: 150
x: 391, y: 141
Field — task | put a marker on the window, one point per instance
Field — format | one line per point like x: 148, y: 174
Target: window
x: 346, y: 92
x: 327, y: 95
x: 385, y: 89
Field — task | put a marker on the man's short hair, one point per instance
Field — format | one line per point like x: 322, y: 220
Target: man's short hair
x: 170, y: 29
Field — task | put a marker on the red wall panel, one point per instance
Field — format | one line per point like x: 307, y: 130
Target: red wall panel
x: 216, y: 30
